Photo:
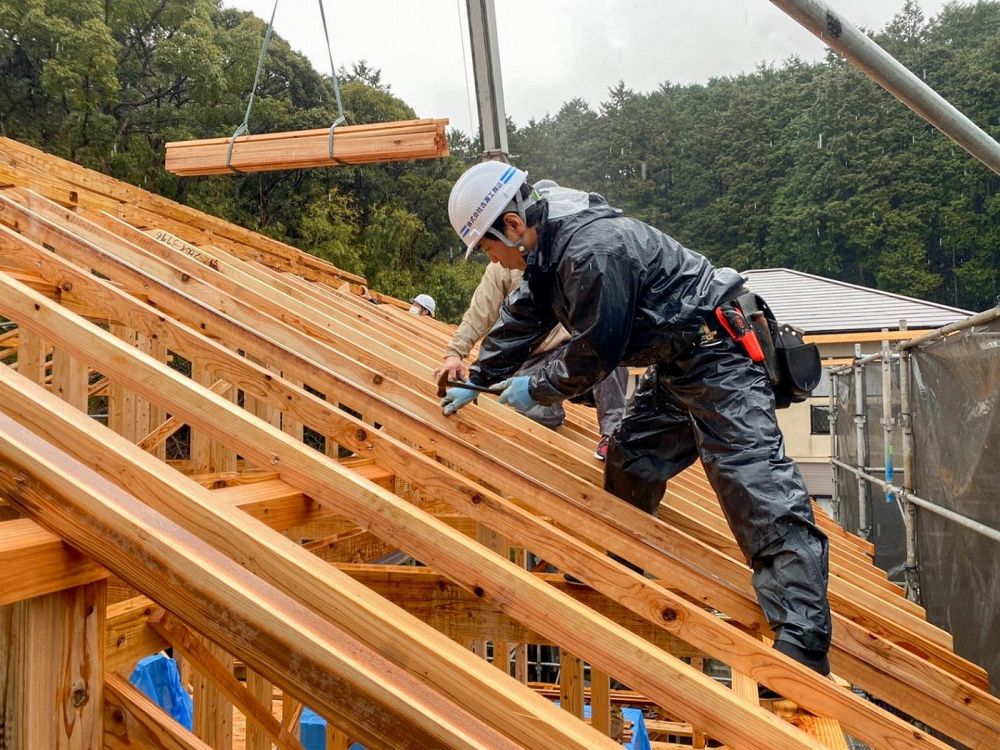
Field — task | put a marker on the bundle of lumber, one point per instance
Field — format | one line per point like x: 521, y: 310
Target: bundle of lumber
x: 352, y: 144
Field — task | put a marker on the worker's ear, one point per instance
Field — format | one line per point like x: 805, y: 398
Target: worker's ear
x: 513, y: 222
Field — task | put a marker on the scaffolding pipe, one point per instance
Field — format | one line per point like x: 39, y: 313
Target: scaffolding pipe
x: 978, y: 319
x: 910, y: 570
x: 841, y: 35
x: 888, y: 423
x: 980, y: 528
x: 862, y: 439
x: 972, y: 321
x: 834, y: 447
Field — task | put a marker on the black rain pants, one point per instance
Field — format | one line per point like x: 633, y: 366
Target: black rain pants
x: 714, y: 403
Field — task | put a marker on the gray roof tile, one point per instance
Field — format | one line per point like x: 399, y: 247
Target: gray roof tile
x: 820, y: 305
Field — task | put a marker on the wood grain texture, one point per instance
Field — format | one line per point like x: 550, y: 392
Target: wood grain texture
x: 352, y: 144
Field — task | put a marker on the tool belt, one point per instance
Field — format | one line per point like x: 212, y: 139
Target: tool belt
x: 792, y: 366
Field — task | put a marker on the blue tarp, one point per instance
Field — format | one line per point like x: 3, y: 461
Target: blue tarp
x: 158, y: 678
x: 313, y: 733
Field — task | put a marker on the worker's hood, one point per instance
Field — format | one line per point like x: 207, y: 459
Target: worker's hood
x: 566, y: 212
x: 565, y: 201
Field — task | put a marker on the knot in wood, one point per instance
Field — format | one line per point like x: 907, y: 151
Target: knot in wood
x: 669, y: 615
x: 377, y: 380
x: 79, y: 694
x: 185, y: 277
x: 361, y: 435
x: 66, y: 286
x: 476, y: 499
x: 478, y: 591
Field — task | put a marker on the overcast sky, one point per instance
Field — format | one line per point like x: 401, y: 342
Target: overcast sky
x: 554, y: 50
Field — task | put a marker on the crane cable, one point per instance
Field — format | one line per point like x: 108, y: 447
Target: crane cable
x: 244, y: 127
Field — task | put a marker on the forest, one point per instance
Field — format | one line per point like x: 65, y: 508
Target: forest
x: 805, y: 165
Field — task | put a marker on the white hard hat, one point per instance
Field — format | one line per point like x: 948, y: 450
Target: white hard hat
x: 480, y: 196
x: 426, y: 301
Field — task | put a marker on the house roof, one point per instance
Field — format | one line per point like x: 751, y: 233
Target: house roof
x: 817, y: 304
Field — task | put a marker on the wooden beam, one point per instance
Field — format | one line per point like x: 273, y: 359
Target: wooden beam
x: 73, y: 185
x: 34, y: 562
x: 425, y: 594
x: 266, y: 629
x: 352, y: 144
x: 862, y: 337
x: 131, y: 721
x: 129, y: 636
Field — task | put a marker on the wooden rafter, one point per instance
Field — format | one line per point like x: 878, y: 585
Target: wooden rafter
x: 264, y: 319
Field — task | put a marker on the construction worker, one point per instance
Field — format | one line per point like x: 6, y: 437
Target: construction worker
x: 422, y: 304
x: 484, y: 309
x: 629, y: 294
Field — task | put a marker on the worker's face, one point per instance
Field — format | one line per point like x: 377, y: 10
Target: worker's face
x: 510, y: 258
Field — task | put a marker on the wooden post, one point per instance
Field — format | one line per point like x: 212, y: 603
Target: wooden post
x: 52, y: 670
x: 116, y: 393
x: 570, y: 683
x: 600, y: 700
x: 31, y: 355
x: 501, y: 656
x: 698, y: 738
x: 69, y: 379
x: 209, y: 455
x: 262, y: 690
x: 288, y: 423
x: 157, y: 414
x: 213, y: 714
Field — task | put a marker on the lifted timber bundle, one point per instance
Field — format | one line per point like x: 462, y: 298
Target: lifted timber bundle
x: 265, y: 540
x: 352, y: 144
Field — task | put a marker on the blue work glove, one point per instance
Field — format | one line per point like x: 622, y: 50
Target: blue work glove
x: 516, y: 393
x: 455, y: 398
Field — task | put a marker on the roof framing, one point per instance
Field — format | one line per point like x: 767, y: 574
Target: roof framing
x: 107, y: 282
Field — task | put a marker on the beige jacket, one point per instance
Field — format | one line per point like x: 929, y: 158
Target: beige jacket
x: 484, y: 309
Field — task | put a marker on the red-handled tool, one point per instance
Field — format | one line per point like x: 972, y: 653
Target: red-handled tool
x: 732, y: 321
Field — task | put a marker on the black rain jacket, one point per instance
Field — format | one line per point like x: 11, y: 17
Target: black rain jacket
x: 627, y: 293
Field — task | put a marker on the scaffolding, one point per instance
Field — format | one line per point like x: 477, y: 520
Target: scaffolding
x: 934, y: 519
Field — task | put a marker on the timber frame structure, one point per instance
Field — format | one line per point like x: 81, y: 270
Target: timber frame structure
x: 256, y: 547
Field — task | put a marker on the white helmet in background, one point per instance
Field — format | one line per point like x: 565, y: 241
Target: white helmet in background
x: 483, y: 193
x: 425, y: 301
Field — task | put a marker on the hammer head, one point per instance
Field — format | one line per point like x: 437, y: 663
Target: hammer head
x: 442, y: 384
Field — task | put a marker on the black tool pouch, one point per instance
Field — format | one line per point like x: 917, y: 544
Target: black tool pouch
x: 792, y: 365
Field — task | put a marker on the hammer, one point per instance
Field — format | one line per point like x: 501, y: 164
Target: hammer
x: 444, y: 383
